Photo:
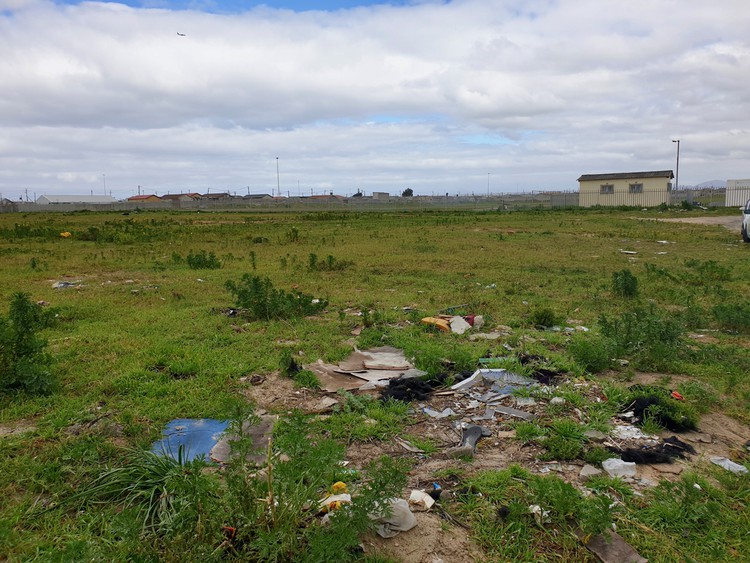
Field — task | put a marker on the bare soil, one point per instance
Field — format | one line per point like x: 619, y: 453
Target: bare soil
x: 730, y: 222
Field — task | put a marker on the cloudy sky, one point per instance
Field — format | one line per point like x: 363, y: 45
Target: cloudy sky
x: 439, y: 96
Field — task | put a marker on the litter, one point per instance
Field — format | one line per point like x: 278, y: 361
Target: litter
x: 666, y: 452
x: 516, y: 413
x: 540, y: 515
x: 471, y: 435
x: 459, y: 325
x: 65, y: 284
x: 196, y: 437
x: 627, y: 251
x: 446, y: 412
x: 400, y: 520
x: 525, y: 401
x: 629, y: 433
x: 588, y: 472
x: 485, y: 336
x: 729, y: 465
x: 364, y: 369
x: 408, y: 446
x: 616, y: 467
x: 441, y: 324
x: 495, y: 376
x: 420, y: 501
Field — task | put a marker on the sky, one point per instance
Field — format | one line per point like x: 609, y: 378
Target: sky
x: 301, y: 97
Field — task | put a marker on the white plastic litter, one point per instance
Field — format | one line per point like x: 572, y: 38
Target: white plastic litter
x: 729, y: 465
x: 420, y: 501
x: 629, y: 433
x: 459, y: 325
x: 400, y: 520
x: 615, y: 467
x: 439, y: 414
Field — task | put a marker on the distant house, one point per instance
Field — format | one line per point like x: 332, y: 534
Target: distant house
x: 146, y: 198
x: 258, y: 197
x: 738, y: 192
x: 180, y: 197
x: 216, y: 196
x: 642, y: 189
x: 72, y: 199
x: 381, y: 195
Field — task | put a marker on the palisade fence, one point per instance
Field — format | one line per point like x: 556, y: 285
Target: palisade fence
x: 707, y: 197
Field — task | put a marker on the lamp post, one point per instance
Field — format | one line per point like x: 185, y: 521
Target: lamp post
x: 488, y: 184
x: 677, y: 172
x: 278, y: 186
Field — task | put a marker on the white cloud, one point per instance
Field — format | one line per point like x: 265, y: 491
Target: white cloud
x: 432, y: 95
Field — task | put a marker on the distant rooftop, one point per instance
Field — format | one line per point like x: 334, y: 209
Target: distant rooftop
x: 47, y: 199
x: 627, y: 175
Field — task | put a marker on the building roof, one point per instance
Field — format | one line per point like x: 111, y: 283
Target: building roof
x: 257, y: 196
x: 627, y: 175
x: 215, y: 195
x: 76, y: 199
x: 142, y: 197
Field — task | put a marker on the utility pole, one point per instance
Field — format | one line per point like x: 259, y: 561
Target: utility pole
x: 278, y: 185
x: 677, y: 173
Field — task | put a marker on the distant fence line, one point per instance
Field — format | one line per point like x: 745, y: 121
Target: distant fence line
x: 508, y: 202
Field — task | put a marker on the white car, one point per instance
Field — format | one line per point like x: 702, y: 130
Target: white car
x: 746, y: 222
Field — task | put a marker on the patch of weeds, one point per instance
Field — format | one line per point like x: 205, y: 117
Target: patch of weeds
x: 362, y: 418
x: 733, y: 316
x: 700, y: 396
x: 24, y: 363
x: 564, y: 440
x: 302, y: 377
x: 543, y: 317
x: 330, y: 264
x: 259, y: 240
x: 275, y: 515
x: 624, y: 283
x: 203, y: 261
x: 596, y: 455
x: 604, y: 484
x: 168, y: 493
x: 651, y: 339
x: 292, y: 235
x: 708, y: 270
x: 528, y: 432
x: 263, y: 302
x: 427, y: 445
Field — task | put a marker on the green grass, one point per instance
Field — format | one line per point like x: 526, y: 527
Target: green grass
x: 144, y: 338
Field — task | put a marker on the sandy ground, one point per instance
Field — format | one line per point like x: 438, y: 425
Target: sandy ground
x: 730, y: 222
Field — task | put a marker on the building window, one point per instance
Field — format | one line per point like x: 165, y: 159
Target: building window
x: 607, y: 189
x: 635, y: 188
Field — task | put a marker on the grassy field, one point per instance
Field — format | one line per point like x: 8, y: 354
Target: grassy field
x: 142, y: 336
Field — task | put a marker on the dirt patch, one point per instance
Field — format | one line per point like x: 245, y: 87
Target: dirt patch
x: 730, y: 222
x: 16, y: 428
x: 275, y: 393
x: 432, y: 540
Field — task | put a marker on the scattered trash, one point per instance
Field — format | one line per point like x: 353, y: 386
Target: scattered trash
x: 400, y: 520
x: 516, y: 413
x: 525, y: 401
x: 259, y: 434
x: 196, y: 436
x: 627, y: 251
x: 540, y: 515
x: 436, y: 491
x: 420, y: 501
x: 334, y: 502
x: 65, y: 284
x: 629, y: 433
x: 446, y: 412
x: 729, y: 465
x: 406, y: 390
x: 65, y: 234
x: 666, y: 452
x: 485, y: 336
x: 324, y: 405
x: 364, y: 369
x: 495, y: 376
x: 557, y: 401
x: 656, y: 402
x: 441, y: 324
x: 459, y: 325
x: 616, y: 467
x: 408, y: 446
x: 472, y: 433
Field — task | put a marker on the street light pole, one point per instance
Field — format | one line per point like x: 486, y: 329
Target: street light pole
x: 488, y: 184
x: 677, y: 173
x: 278, y: 185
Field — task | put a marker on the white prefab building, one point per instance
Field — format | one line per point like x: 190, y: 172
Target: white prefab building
x: 62, y: 199
x: 738, y: 192
x: 642, y: 189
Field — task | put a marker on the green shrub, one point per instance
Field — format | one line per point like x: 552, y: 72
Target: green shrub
x: 624, y: 283
x: 543, y: 317
x: 261, y: 301
x: 203, y: 261
x: 650, y: 339
x: 24, y: 364
x: 330, y: 264
x: 593, y: 353
x: 733, y: 316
